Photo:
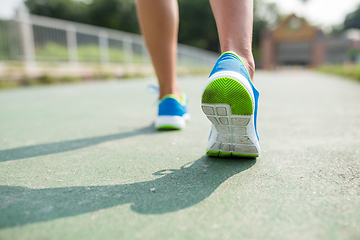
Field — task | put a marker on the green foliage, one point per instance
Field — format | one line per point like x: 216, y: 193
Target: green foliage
x: 68, y: 79
x: 63, y: 9
x: 349, y: 70
x: 6, y: 83
x: 9, y: 42
x: 86, y: 53
x: 30, y: 82
x: 47, y: 79
x: 52, y: 51
x: 11, y: 81
x: 115, y: 14
x: 197, y: 25
x: 352, y: 20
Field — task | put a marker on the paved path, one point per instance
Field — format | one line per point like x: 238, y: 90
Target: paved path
x: 82, y: 161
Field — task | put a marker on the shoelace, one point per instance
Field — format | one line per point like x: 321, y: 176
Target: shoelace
x: 153, y: 89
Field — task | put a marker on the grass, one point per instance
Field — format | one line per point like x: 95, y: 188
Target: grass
x: 85, y: 53
x: 47, y: 79
x: 346, y: 70
x: 52, y: 53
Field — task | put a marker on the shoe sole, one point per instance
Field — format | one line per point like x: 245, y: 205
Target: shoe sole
x: 229, y: 106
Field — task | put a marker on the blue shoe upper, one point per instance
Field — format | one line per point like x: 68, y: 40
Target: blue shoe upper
x: 229, y: 61
x: 170, y: 106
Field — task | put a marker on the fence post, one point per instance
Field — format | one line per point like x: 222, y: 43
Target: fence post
x: 144, y: 53
x: 27, y: 38
x: 72, y: 44
x: 128, y: 49
x: 104, y: 47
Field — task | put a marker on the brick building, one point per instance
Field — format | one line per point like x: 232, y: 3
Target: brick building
x: 293, y: 42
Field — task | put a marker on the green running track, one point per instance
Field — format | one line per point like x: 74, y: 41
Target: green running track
x: 82, y: 161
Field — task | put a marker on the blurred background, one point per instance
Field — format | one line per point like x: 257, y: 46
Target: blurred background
x: 48, y: 41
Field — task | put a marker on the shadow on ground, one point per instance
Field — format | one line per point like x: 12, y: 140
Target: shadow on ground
x: 175, y: 190
x: 51, y: 148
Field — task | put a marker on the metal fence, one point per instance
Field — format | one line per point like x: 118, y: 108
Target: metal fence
x: 34, y: 39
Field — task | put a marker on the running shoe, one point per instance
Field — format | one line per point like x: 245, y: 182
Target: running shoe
x: 173, y: 112
x: 230, y: 102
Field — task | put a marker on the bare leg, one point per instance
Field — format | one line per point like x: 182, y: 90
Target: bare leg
x: 234, y: 20
x: 159, y: 21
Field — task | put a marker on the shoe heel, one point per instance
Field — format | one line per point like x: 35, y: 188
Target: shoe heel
x: 229, y: 107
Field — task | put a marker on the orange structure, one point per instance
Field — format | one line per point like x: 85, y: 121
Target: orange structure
x: 293, y: 42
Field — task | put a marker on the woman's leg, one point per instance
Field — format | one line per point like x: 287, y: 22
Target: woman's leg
x: 159, y: 21
x: 234, y: 21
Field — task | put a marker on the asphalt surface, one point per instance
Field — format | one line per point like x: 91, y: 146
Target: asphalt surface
x: 82, y: 161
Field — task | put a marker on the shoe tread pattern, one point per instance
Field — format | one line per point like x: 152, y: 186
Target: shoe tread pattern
x: 229, y: 91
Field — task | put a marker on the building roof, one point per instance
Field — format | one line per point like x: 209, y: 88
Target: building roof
x: 293, y: 28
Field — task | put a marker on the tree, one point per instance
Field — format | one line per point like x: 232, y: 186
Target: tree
x: 197, y: 25
x: 115, y: 14
x: 63, y: 9
x: 352, y: 20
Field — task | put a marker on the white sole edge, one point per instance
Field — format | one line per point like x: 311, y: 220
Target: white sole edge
x: 175, y: 121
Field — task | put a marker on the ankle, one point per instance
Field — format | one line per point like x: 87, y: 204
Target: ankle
x: 175, y: 92
x: 250, y: 66
x: 248, y: 60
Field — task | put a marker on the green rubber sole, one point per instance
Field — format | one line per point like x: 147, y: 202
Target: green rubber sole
x: 168, y: 127
x: 229, y: 91
x: 214, y: 153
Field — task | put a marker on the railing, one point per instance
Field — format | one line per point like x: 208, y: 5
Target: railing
x: 34, y: 39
